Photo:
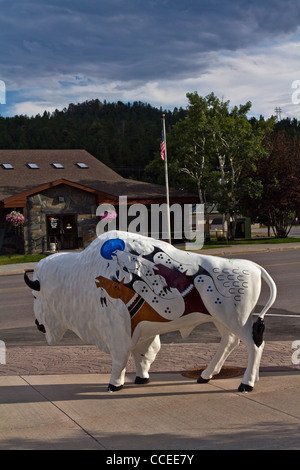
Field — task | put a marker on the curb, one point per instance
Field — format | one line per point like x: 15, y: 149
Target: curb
x: 236, y: 251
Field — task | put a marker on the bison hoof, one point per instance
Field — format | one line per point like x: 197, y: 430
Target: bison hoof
x: 114, y: 388
x: 202, y: 381
x: 141, y: 380
x: 245, y: 388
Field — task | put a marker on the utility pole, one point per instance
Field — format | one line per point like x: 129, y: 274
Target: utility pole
x: 278, y: 113
x: 164, y: 156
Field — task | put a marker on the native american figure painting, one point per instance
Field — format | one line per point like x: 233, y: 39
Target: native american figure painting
x: 153, y: 286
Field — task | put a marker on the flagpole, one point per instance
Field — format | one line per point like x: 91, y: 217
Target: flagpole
x: 167, y: 180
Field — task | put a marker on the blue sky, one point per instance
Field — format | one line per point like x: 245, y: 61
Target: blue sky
x: 58, y: 52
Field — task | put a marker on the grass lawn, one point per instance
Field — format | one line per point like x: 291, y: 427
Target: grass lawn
x: 253, y: 241
x: 14, y: 259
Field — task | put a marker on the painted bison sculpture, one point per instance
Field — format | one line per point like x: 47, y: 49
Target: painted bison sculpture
x: 124, y: 290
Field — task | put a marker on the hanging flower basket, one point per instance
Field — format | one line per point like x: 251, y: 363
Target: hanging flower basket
x: 16, y: 219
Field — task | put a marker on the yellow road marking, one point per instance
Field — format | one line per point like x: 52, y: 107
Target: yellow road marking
x: 13, y: 288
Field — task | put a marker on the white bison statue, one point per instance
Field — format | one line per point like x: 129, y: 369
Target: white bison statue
x: 125, y: 289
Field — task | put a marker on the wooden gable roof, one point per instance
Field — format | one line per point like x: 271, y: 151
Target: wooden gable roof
x: 26, y: 172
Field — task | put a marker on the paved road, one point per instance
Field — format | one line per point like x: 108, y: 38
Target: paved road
x: 17, y: 322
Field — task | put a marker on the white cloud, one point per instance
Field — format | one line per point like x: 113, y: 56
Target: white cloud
x: 261, y: 75
x: 153, y: 52
x: 31, y: 108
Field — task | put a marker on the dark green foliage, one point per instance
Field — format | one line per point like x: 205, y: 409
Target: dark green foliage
x: 126, y: 137
x: 278, y: 201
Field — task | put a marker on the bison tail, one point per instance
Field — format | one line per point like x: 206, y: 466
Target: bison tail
x: 267, y: 278
x: 258, y: 331
x: 259, y: 326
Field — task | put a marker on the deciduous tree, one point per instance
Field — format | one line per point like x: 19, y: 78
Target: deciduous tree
x: 278, y: 174
x: 217, y: 146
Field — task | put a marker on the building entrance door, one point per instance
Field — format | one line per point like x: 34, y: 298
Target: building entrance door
x: 62, y: 230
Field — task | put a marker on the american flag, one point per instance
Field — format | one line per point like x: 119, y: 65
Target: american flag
x: 162, y: 147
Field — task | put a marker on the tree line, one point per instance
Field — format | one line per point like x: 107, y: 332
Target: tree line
x: 240, y: 165
x: 123, y: 136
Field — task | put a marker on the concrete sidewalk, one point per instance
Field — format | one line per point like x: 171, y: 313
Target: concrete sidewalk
x: 75, y: 412
x: 56, y: 398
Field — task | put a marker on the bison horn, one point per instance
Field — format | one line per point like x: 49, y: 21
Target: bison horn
x: 34, y: 285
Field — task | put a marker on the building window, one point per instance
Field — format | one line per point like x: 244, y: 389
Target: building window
x: 82, y: 165
x: 58, y: 166
x: 7, y: 166
x: 33, y: 166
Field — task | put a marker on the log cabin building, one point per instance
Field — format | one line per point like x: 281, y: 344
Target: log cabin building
x: 58, y: 192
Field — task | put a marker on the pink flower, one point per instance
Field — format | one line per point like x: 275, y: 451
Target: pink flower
x: 108, y: 215
x: 15, y: 218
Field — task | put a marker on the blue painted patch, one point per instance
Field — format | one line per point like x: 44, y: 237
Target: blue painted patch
x: 110, y: 246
